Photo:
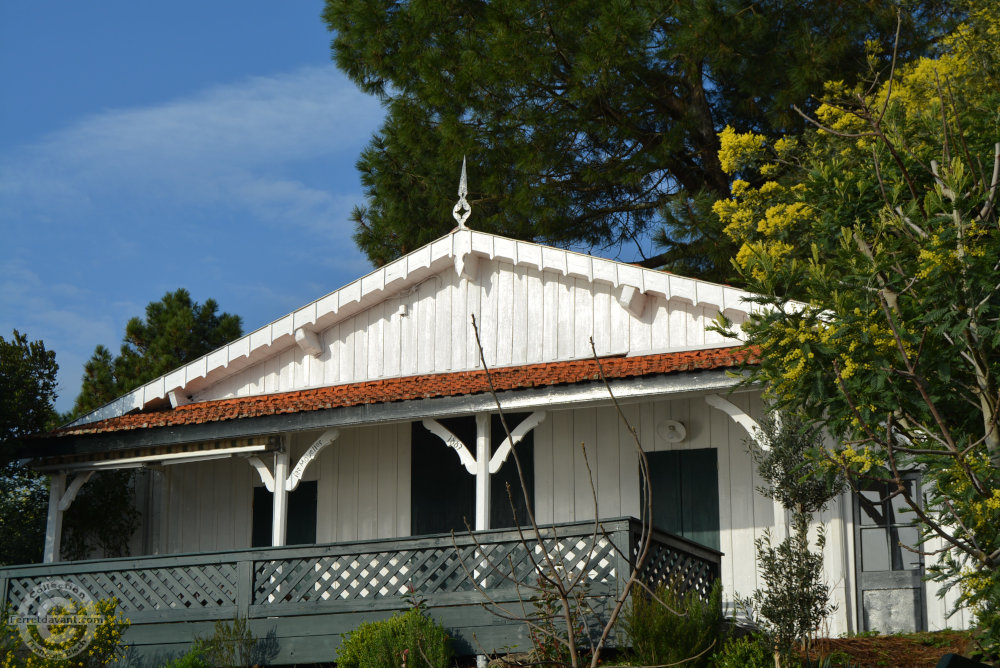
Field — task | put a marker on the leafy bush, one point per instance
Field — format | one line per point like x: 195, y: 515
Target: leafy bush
x: 232, y: 644
x: 411, y: 638
x: 193, y: 659
x: 659, y: 635
x: 838, y: 659
x: 105, y: 648
x: 795, y: 598
x: 745, y: 652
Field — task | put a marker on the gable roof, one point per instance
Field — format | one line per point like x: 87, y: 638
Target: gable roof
x: 461, y: 251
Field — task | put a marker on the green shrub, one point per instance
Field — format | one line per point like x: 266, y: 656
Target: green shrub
x: 838, y: 659
x: 105, y: 647
x: 193, y: 659
x: 658, y: 635
x: 412, y: 638
x: 745, y: 652
x: 232, y: 644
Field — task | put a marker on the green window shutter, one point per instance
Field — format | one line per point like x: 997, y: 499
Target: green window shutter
x: 685, y: 487
x: 501, y: 512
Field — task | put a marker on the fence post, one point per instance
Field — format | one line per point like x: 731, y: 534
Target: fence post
x: 244, y: 587
x: 625, y: 546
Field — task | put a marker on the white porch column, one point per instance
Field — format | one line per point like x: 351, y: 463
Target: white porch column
x: 60, y: 498
x: 281, y: 482
x: 484, y: 463
x: 53, y: 527
x: 279, y: 520
x: 482, y: 471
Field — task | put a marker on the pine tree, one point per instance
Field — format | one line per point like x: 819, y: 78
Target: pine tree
x: 27, y: 393
x: 588, y: 122
x: 175, y: 331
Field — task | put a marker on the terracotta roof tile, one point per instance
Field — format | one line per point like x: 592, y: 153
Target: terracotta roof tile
x: 419, y: 387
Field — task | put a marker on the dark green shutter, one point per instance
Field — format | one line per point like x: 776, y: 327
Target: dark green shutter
x: 686, y: 493
x: 443, y: 493
x: 501, y: 512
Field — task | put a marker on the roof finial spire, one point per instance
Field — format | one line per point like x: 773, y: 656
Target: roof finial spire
x: 463, y: 190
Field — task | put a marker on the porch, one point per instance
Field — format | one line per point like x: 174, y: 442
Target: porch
x: 300, y: 599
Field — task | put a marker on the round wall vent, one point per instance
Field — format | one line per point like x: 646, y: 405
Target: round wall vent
x: 671, y: 431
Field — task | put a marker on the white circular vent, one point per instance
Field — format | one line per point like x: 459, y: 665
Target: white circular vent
x: 671, y: 431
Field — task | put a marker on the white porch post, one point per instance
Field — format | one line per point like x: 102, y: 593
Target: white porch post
x: 53, y: 527
x: 60, y: 498
x: 482, y: 471
x: 279, y: 520
x: 484, y: 464
x: 281, y: 482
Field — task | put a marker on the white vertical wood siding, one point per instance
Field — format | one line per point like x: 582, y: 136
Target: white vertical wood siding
x: 363, y: 492
x: 563, y: 492
x: 524, y: 316
x: 364, y: 485
x: 206, y: 506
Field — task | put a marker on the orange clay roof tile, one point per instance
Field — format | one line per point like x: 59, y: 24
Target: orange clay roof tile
x: 420, y: 387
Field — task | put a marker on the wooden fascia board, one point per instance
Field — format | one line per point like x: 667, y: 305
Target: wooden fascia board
x: 576, y: 395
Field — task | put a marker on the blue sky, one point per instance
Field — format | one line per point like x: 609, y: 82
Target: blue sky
x: 150, y: 146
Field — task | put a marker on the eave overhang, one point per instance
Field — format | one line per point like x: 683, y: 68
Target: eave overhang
x: 712, y: 372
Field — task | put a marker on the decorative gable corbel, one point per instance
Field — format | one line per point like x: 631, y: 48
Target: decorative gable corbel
x: 308, y: 341
x: 632, y: 300
x: 466, y: 265
x: 178, y: 397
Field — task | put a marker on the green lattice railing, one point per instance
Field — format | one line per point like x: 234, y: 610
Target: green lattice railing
x: 327, y: 589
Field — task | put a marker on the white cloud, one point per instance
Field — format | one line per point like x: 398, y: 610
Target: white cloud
x: 57, y: 314
x: 241, y: 192
x: 217, y: 147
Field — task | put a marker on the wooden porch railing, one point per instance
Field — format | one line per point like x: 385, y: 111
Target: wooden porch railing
x: 305, y: 597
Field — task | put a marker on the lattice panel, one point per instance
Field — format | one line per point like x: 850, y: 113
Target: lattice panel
x: 668, y: 565
x: 203, y: 586
x: 428, y: 570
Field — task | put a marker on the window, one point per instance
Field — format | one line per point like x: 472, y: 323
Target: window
x: 442, y: 493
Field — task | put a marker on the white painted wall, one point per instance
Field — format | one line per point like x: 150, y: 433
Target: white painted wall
x: 524, y: 315
x: 940, y: 604
x: 563, y: 492
x: 364, y: 485
x: 205, y: 507
x: 364, y: 491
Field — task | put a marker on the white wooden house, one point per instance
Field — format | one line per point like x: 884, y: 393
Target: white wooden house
x: 363, y: 419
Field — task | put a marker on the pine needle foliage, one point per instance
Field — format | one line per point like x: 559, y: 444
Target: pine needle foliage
x: 590, y: 122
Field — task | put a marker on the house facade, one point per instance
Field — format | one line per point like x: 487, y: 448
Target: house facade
x: 302, y: 460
